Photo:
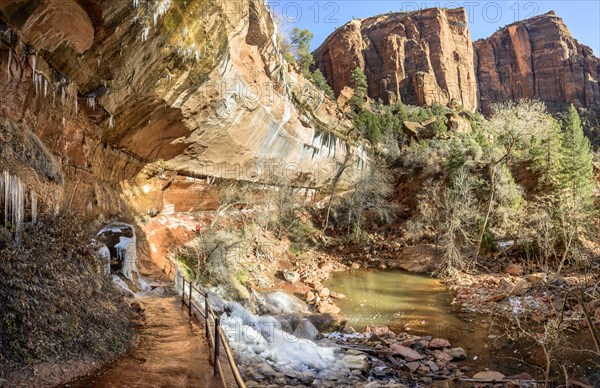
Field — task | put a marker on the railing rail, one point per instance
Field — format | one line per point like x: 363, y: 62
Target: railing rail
x: 216, y: 337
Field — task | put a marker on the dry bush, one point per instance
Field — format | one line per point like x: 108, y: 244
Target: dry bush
x: 55, y: 304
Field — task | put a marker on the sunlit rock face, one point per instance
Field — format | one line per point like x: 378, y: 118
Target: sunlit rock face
x: 537, y: 58
x: 133, y: 98
x: 417, y: 57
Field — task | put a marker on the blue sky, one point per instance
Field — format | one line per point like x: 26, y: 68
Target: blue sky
x: 321, y: 17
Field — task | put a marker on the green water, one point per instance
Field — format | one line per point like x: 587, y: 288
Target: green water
x: 400, y: 300
x: 414, y: 304
x: 421, y: 305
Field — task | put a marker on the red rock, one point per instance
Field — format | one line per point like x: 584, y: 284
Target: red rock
x: 419, y: 58
x: 324, y: 292
x: 310, y: 296
x: 439, y: 343
x: 408, y: 353
x: 536, y: 58
x: 337, y: 295
x: 442, y: 356
x: 328, y: 308
x: 489, y: 375
x: 379, y: 330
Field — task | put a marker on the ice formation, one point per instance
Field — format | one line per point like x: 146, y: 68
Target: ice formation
x: 104, y: 257
x: 33, y: 206
x: 145, y: 33
x: 9, y: 64
x: 12, y: 200
x: 33, y: 65
x: 257, y: 339
x: 125, y: 248
x: 91, y: 102
x: 261, y: 338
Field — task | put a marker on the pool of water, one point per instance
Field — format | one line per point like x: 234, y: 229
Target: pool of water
x: 400, y: 300
x: 419, y: 305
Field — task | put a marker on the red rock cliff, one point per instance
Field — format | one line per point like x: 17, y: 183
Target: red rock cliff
x: 421, y: 57
x: 537, y: 58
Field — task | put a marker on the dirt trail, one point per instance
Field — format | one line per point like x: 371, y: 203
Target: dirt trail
x: 172, y: 352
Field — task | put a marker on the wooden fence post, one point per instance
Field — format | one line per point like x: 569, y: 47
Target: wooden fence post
x: 183, y: 290
x: 206, y: 327
x: 190, y: 306
x: 216, y: 365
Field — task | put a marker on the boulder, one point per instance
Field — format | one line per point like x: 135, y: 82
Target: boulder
x: 417, y: 258
x: 458, y: 124
x: 291, y: 276
x: 438, y: 343
x: 360, y: 362
x: 280, y: 302
x: 378, y: 330
x: 309, y: 296
x: 407, y: 353
x: 414, y: 131
x: 305, y: 329
x: 324, y: 292
x: 328, y: 308
x: 489, y: 375
x: 457, y: 354
x: 325, y: 323
x: 337, y: 295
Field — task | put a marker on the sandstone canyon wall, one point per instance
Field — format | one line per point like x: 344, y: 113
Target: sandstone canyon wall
x: 537, y: 58
x: 422, y: 57
x: 427, y: 56
x: 127, y: 105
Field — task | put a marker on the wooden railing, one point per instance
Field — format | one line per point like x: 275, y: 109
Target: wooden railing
x: 215, y: 335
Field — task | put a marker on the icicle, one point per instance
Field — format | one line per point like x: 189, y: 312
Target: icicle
x: 136, y: 3
x: 111, y: 122
x: 91, y: 101
x: 64, y: 121
x: 14, y: 202
x: 169, y: 78
x: 33, y: 64
x: 145, y: 34
x: 45, y: 87
x: 76, y: 106
x: 9, y: 73
x: 63, y: 95
x: 33, y: 206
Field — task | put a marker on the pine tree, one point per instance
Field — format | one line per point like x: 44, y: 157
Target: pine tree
x: 546, y: 157
x: 456, y: 158
x: 576, y: 175
x: 359, y: 81
x: 320, y: 81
